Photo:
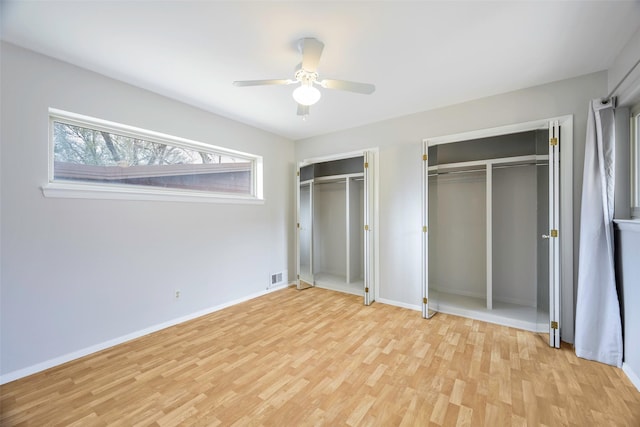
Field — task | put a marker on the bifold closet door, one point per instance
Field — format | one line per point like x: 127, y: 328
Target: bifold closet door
x: 542, y: 244
x: 305, y: 235
x: 367, y: 235
x: 554, y: 234
x: 425, y: 237
x: 428, y: 306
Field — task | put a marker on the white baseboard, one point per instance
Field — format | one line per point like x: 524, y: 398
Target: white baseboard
x: 633, y: 377
x: 38, y: 367
x: 399, y: 304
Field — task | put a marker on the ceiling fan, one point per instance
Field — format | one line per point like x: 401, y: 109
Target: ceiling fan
x: 307, y: 94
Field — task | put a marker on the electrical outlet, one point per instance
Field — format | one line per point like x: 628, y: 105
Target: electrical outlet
x: 177, y: 294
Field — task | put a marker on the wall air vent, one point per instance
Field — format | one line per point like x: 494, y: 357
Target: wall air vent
x: 277, y: 279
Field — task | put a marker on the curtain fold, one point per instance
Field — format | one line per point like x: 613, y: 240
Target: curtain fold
x: 598, y: 334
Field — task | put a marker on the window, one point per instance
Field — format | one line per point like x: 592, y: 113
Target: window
x: 95, y: 158
x: 635, y: 162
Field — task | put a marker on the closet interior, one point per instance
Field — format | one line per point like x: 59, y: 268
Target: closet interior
x: 487, y: 220
x: 331, y: 225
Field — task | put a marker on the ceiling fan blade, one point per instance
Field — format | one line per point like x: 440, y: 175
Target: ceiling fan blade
x: 263, y: 82
x: 349, y: 86
x: 311, y: 51
x: 303, y: 110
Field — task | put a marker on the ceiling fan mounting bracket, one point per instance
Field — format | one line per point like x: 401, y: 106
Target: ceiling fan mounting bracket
x: 306, y: 77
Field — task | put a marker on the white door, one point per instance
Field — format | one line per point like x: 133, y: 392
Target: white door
x: 427, y: 312
x: 304, y: 231
x: 369, y: 294
x: 554, y: 234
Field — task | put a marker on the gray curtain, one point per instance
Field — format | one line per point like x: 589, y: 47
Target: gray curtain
x: 598, y: 324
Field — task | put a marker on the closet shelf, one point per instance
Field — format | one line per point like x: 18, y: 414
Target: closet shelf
x: 338, y: 178
x: 478, y: 165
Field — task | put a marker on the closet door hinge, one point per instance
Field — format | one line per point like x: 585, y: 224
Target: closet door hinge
x: 366, y: 228
x: 554, y: 325
x: 298, y: 277
x: 425, y: 300
x: 424, y: 228
x: 425, y: 157
x: 366, y: 290
x: 366, y: 165
x: 298, y: 225
x: 553, y: 141
x: 298, y: 173
x: 554, y: 233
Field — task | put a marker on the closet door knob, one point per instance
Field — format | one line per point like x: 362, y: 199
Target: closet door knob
x: 546, y: 236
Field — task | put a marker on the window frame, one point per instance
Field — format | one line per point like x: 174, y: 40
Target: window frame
x: 99, y: 190
x: 635, y: 161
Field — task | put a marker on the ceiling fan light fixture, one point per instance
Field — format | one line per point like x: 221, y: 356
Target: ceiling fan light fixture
x: 306, y: 94
x: 306, y: 74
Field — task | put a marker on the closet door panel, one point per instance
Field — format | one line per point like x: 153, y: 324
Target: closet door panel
x: 433, y: 241
x: 305, y: 235
x: 554, y: 234
x: 428, y: 206
x: 368, y: 225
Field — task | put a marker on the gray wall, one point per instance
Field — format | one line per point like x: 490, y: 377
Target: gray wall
x: 399, y: 142
x: 628, y: 277
x: 458, y: 234
x: 76, y: 273
x: 627, y: 235
x: 628, y: 91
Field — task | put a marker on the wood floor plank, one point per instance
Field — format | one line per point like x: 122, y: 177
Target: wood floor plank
x: 318, y: 357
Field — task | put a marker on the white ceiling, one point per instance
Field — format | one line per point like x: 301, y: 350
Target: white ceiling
x: 420, y: 55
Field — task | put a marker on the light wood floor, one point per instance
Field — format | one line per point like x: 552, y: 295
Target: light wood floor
x: 318, y: 357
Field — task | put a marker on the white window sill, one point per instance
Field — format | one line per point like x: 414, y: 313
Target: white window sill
x: 627, y: 224
x: 89, y: 191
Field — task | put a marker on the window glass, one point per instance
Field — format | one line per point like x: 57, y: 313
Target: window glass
x: 111, y: 155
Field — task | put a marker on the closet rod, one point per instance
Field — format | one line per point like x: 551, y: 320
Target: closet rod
x: 522, y: 164
x: 458, y: 172
x: 330, y: 181
x: 608, y: 98
x: 483, y: 169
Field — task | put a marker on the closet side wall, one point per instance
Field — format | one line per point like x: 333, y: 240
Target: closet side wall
x: 515, y: 237
x: 330, y: 225
x: 305, y: 230
x: 459, y: 244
